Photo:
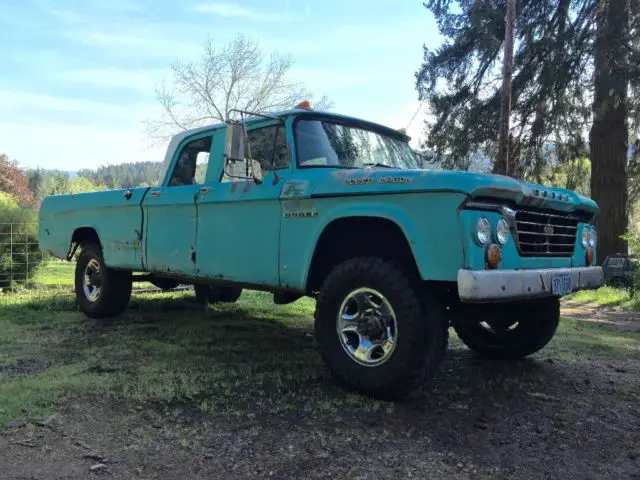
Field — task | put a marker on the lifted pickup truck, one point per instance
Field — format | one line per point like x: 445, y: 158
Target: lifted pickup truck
x: 305, y: 203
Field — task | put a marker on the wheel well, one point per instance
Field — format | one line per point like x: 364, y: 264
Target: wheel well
x: 351, y: 237
x: 85, y: 235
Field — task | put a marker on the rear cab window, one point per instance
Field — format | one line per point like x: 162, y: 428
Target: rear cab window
x: 192, y: 162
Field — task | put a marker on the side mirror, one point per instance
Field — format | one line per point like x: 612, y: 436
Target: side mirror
x: 236, y: 152
x: 235, y: 142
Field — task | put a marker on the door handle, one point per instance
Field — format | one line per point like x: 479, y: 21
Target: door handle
x: 155, y: 193
x: 128, y: 194
x: 202, y: 192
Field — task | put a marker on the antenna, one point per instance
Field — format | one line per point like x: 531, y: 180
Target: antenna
x: 415, y: 114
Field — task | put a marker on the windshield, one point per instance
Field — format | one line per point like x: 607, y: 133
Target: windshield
x: 321, y: 143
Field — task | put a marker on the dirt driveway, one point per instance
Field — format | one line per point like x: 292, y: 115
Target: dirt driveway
x: 572, y: 411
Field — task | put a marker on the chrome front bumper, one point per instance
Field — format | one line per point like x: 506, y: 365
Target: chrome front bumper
x: 497, y: 285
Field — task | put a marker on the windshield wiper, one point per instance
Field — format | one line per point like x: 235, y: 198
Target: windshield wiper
x: 383, y: 165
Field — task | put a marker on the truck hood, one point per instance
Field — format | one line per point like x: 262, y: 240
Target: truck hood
x: 474, y: 185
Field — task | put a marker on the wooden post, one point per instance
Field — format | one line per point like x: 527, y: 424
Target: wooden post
x: 502, y: 162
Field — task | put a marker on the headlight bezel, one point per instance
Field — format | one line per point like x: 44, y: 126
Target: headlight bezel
x: 586, y: 236
x: 593, y: 237
x: 483, y: 237
x: 506, y: 230
x: 589, y: 237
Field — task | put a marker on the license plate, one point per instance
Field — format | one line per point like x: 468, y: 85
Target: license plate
x: 561, y: 284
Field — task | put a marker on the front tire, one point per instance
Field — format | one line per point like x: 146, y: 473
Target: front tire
x: 509, y: 331
x: 374, y: 333
x: 101, y: 292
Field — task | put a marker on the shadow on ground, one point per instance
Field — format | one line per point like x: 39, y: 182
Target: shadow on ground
x: 174, y: 391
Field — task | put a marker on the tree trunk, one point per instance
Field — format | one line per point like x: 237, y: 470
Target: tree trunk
x: 609, y: 134
x: 502, y: 163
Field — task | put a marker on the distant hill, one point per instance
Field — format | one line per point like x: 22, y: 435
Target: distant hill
x: 134, y: 174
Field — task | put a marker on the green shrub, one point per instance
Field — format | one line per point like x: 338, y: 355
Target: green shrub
x: 19, y: 253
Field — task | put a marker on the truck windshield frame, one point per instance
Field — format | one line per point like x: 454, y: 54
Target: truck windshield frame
x: 324, y: 142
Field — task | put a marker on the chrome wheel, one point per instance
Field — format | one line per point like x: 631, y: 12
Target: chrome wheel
x: 92, y: 280
x: 367, y: 327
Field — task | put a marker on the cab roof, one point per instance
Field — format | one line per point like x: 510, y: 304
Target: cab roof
x: 300, y: 113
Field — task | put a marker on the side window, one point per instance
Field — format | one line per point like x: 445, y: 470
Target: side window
x: 266, y: 145
x: 615, y: 262
x: 269, y: 145
x: 281, y: 153
x: 191, y: 166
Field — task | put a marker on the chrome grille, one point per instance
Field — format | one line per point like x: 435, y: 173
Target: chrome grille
x: 544, y: 234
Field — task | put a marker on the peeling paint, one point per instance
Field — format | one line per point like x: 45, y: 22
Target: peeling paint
x: 294, y: 188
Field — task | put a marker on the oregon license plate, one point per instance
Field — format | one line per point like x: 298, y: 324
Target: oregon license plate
x: 561, y: 283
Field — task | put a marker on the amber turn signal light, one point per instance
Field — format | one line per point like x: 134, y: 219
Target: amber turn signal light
x: 494, y: 255
x: 589, y: 256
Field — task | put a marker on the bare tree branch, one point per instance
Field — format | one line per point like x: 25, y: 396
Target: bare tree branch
x: 234, y: 76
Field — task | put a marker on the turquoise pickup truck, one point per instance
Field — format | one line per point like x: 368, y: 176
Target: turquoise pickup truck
x: 306, y: 203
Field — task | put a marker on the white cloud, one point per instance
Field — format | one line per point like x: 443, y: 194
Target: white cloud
x: 235, y: 11
x: 72, y: 147
x: 141, y: 81
x: 330, y: 78
x: 115, y: 25
x: 72, y: 133
x: 145, y: 42
x: 19, y: 105
x: 357, y: 40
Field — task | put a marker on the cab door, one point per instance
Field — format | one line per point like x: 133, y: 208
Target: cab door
x: 239, y: 220
x: 170, y: 213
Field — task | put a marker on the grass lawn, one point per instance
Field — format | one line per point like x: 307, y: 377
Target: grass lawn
x: 55, y: 273
x: 167, y: 349
x: 173, y: 380
x: 608, y: 297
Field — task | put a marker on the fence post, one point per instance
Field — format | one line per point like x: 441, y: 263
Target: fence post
x: 26, y: 252
x: 11, y: 257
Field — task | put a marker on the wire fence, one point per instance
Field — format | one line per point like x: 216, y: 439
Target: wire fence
x: 23, y: 266
x: 20, y: 254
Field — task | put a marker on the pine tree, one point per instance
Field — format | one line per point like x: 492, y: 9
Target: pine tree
x: 576, y: 69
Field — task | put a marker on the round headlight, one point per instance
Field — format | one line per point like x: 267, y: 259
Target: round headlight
x: 483, y: 231
x: 586, y: 236
x: 593, y: 238
x: 502, y: 231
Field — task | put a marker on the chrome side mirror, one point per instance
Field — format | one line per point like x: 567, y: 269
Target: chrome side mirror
x: 237, y: 155
x: 235, y: 142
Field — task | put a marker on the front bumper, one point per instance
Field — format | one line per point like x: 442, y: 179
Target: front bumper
x: 498, y: 285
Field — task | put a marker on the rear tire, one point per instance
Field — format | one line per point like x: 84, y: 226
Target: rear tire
x: 509, y: 331
x: 211, y: 294
x: 101, y: 292
x: 366, y: 304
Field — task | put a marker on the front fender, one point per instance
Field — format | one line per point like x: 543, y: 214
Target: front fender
x: 428, y: 220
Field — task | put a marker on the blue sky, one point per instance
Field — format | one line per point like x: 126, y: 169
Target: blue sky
x: 78, y: 76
